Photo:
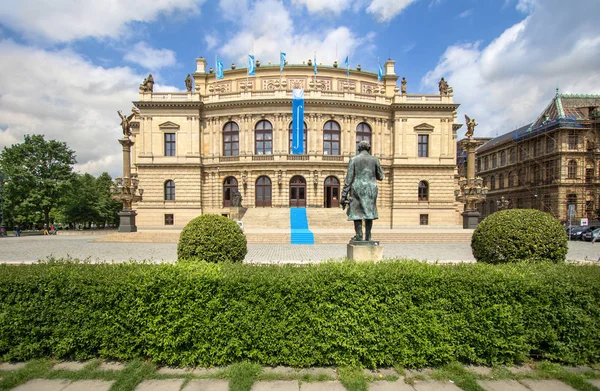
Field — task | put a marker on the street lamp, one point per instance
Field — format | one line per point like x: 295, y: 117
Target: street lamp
x: 502, y: 203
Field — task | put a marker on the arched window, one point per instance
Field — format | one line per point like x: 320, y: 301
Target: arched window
x: 493, y: 183
x: 169, y: 190
x: 423, y: 191
x: 297, y: 192
x: 229, y: 185
x: 363, y: 133
x: 486, y: 165
x: 290, y: 129
x: 332, y: 192
x: 331, y: 138
x: 511, y: 179
x: 503, y: 158
x: 494, y: 161
x: 231, y: 139
x: 263, y: 138
x: 572, y: 169
x: 501, y: 181
x: 521, y: 176
x: 263, y: 191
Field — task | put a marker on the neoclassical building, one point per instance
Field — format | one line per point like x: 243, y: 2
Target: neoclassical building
x: 550, y: 164
x: 193, y: 149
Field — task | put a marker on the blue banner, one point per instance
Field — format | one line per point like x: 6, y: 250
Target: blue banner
x: 379, y: 72
x: 297, y: 121
x: 220, y: 70
x: 315, y: 64
x: 281, y: 61
x: 251, y: 66
x: 347, y: 63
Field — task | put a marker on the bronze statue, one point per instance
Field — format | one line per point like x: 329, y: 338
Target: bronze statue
x: 236, y: 198
x: 470, y: 126
x: 188, y: 83
x: 360, y: 190
x: 148, y: 84
x: 403, y: 85
x: 443, y: 86
x: 126, y: 121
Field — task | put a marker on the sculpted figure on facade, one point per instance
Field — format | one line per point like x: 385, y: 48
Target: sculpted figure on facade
x: 236, y: 198
x: 360, y: 190
x: 470, y: 126
x: 443, y: 86
x: 403, y: 85
x: 188, y: 83
x: 148, y: 84
x: 126, y: 121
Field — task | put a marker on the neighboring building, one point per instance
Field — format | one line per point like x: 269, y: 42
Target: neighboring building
x: 193, y: 149
x: 549, y: 164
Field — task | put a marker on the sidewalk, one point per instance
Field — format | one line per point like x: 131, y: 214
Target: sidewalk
x: 104, y: 376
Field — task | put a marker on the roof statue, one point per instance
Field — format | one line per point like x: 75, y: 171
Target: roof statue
x: 443, y: 86
x: 188, y: 83
x: 403, y: 85
x: 148, y: 84
x: 470, y: 126
x: 126, y: 121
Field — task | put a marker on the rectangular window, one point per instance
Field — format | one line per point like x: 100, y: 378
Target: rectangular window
x: 169, y: 219
x: 424, y: 219
x: 423, y: 145
x: 169, y: 144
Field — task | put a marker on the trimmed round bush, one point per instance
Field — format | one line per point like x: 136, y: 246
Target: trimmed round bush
x: 212, y: 238
x: 515, y: 235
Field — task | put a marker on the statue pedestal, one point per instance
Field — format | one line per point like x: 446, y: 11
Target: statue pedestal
x: 364, y: 250
x: 127, y: 221
x: 470, y: 219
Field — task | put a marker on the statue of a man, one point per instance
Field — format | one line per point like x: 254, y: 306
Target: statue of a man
x: 443, y: 86
x: 236, y: 198
x: 188, y: 83
x: 360, y: 190
x: 126, y: 121
x: 403, y: 85
x: 148, y: 84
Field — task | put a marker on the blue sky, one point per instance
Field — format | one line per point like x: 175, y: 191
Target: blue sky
x: 67, y: 66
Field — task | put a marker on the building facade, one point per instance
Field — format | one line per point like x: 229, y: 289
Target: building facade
x: 194, y: 149
x: 550, y: 164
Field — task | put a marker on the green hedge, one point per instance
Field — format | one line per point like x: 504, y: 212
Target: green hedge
x: 398, y: 312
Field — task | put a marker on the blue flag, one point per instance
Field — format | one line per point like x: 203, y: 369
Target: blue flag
x: 251, y: 66
x: 347, y: 63
x: 220, y: 70
x: 297, y: 121
x: 379, y: 72
x: 315, y: 63
x: 281, y: 61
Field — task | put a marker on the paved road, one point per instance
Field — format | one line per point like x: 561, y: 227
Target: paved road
x: 33, y: 248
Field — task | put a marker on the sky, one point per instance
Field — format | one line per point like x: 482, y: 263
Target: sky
x: 67, y: 66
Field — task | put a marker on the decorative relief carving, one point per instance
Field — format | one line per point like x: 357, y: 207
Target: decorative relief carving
x: 246, y: 85
x: 370, y: 89
x: 321, y: 84
x: 220, y: 88
x: 296, y: 83
x: 273, y: 84
x: 346, y: 85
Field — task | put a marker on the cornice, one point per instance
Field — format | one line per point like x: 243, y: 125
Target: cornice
x: 153, y: 104
x: 308, y: 104
x: 428, y: 106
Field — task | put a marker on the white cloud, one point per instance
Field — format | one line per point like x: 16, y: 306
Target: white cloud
x: 509, y: 82
x: 386, y: 10
x: 318, y: 6
x: 66, y: 20
x: 275, y: 32
x: 143, y: 54
x: 466, y: 13
x: 63, y: 96
x: 212, y: 40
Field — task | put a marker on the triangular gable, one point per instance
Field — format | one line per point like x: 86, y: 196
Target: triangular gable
x: 424, y: 127
x: 168, y: 124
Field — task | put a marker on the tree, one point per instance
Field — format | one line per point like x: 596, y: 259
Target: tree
x: 108, y: 207
x: 39, y: 173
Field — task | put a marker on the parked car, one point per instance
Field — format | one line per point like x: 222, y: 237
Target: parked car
x: 590, y: 234
x: 574, y: 233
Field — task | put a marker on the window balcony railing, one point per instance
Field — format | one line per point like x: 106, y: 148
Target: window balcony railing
x: 333, y: 158
x: 262, y: 157
x: 229, y: 159
x: 297, y: 157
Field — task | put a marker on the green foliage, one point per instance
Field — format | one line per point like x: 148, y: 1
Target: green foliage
x: 212, y: 238
x: 39, y: 172
x: 515, y: 235
x: 406, y: 314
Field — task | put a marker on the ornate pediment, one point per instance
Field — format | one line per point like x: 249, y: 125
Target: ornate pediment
x: 424, y: 127
x: 168, y: 125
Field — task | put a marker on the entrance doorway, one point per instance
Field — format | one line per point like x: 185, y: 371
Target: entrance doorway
x: 263, y: 192
x: 229, y: 185
x: 332, y: 192
x: 297, y: 192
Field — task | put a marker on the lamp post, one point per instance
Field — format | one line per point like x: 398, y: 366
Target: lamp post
x: 3, y: 182
x: 502, y: 203
x: 470, y: 190
x: 127, y: 189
